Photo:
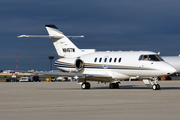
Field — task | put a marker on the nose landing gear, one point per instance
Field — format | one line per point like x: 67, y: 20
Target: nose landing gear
x: 156, y: 87
x: 152, y: 83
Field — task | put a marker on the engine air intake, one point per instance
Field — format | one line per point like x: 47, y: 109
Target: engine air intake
x: 79, y: 64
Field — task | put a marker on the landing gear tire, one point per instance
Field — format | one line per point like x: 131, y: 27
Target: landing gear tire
x: 117, y: 85
x: 86, y: 85
x: 111, y: 86
x: 156, y: 87
x: 114, y: 86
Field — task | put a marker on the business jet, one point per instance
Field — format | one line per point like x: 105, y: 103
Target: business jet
x: 104, y: 67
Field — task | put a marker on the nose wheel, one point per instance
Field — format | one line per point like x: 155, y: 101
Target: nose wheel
x: 156, y: 87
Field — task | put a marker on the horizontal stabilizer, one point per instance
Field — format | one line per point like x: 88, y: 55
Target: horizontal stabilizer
x: 47, y: 36
x: 82, y: 36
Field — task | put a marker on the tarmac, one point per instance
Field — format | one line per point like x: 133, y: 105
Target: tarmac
x: 67, y: 101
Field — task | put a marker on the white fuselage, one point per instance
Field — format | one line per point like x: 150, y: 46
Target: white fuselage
x: 120, y: 65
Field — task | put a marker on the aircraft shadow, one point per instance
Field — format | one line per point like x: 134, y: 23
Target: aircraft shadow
x: 170, y: 88
x: 136, y: 87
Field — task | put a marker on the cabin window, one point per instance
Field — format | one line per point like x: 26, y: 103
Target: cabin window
x: 105, y: 59
x: 119, y: 60
x: 115, y: 59
x: 95, y: 59
x: 100, y: 59
x: 110, y: 59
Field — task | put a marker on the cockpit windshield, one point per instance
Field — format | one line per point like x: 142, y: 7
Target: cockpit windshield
x: 151, y: 58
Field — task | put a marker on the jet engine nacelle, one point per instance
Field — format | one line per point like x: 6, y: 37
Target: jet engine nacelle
x: 79, y: 64
x: 70, y: 64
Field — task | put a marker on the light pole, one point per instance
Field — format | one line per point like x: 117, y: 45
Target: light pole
x: 51, y: 58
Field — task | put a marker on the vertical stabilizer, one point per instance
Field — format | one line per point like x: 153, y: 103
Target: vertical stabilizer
x: 64, y: 47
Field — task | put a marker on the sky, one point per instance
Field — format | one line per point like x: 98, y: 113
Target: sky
x: 106, y: 24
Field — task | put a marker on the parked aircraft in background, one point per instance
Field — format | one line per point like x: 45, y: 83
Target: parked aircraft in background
x: 105, y: 67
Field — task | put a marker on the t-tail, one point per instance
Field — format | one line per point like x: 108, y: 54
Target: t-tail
x: 64, y: 47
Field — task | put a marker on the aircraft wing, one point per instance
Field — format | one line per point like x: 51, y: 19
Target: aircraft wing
x: 48, y: 36
x: 89, y: 77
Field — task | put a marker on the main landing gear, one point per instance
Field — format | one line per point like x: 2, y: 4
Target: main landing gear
x: 85, y: 85
x: 114, y: 85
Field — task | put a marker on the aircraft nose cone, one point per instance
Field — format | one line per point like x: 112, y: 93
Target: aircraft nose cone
x: 169, y: 70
